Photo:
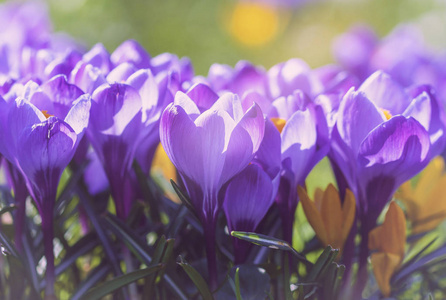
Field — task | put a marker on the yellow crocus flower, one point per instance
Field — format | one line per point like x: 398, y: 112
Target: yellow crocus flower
x: 254, y: 24
x: 162, y: 164
x: 388, y: 240
x: 330, y: 219
x: 426, y: 202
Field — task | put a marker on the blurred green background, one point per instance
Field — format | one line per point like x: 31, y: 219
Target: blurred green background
x: 200, y: 29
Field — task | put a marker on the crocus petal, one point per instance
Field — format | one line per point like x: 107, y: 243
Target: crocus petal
x: 98, y: 57
x: 113, y: 108
x: 385, y: 92
x: 79, y: 115
x: 390, y: 237
x: 429, y: 177
x: 131, y: 52
x: 219, y: 141
x: 247, y: 200
x: 269, y: 155
x: 356, y: 118
x: 52, y: 143
x: 285, y: 78
x: 87, y: 77
x: 331, y: 213
x: 426, y: 109
x: 254, y: 123
x: 180, y: 137
x: 254, y: 97
x: 391, y: 154
x: 348, y: 214
x: 187, y: 104
x: 313, y: 215
x: 299, y: 143
x: 285, y: 107
x: 22, y: 114
x: 144, y: 82
x: 248, y: 78
x: 231, y: 104
x: 203, y: 96
x: 61, y: 93
x: 384, y: 265
x: 399, y: 144
x: 354, y: 48
x: 121, y: 73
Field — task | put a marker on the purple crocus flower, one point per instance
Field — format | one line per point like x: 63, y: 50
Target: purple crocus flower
x: 180, y: 71
x: 294, y: 74
x: 132, y: 52
x: 372, y: 156
x: 248, y: 197
x: 355, y: 57
x: 244, y: 77
x: 41, y: 148
x: 208, y: 149
x: 251, y: 193
x: 402, y: 54
x: 157, y: 96
x: 114, y: 133
x: 304, y: 142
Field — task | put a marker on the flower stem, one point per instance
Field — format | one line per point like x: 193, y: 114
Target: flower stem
x: 48, y: 234
x: 209, y: 236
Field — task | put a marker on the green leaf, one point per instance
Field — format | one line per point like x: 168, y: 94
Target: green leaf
x: 237, y: 284
x: 183, y: 196
x: 270, y: 242
x: 197, y: 279
x: 140, y: 249
x: 85, y: 200
x: 132, y: 241
x: 286, y: 277
x: 8, y: 245
x: 86, y: 244
x: 254, y: 283
x: 418, y: 255
x: 324, y: 260
x: 118, y: 282
x: 147, y: 192
x: 94, y: 276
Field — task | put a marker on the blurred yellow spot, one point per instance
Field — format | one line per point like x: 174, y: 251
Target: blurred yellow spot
x: 280, y: 123
x: 426, y: 202
x: 46, y: 114
x: 162, y: 165
x: 386, y: 113
x: 254, y: 24
x: 330, y: 220
x: 389, y: 239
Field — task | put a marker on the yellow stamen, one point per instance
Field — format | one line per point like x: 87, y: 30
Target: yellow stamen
x: 280, y: 123
x: 46, y: 114
x: 386, y: 113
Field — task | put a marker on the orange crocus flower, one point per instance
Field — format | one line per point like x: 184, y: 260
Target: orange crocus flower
x: 426, y: 202
x: 389, y: 239
x: 330, y: 219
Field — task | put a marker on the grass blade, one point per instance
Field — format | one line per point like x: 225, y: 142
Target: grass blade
x: 197, y: 279
x: 119, y: 282
x: 270, y: 242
